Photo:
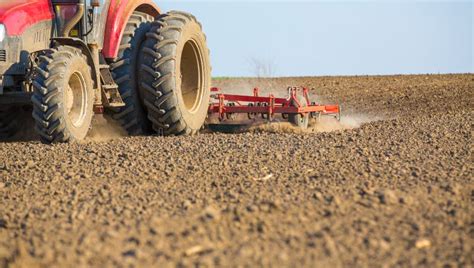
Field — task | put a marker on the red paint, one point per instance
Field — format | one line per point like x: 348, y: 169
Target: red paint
x: 118, y: 15
x: 17, y: 15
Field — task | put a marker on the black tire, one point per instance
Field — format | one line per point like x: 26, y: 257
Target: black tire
x: 9, y: 121
x: 175, y: 74
x: 63, y: 95
x: 299, y: 120
x: 132, y: 116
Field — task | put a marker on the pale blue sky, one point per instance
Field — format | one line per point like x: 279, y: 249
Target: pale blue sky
x: 305, y: 38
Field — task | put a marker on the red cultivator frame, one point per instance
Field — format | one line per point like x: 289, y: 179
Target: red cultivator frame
x: 297, y: 108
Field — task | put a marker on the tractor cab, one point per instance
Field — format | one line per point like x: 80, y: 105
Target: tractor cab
x: 28, y: 27
x: 67, y: 15
x: 80, y: 19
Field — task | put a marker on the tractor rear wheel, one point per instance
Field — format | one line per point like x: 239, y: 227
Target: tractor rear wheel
x: 63, y: 95
x: 175, y: 74
x: 132, y: 116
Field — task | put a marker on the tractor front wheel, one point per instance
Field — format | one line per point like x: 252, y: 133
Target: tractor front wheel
x: 63, y: 95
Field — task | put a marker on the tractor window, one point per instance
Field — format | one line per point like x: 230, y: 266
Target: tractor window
x: 64, y: 13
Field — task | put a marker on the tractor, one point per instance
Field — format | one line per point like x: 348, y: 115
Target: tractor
x: 68, y: 60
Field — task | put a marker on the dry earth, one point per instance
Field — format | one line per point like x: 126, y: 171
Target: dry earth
x: 396, y: 191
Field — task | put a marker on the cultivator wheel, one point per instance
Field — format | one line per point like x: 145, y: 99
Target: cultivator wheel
x: 263, y: 115
x: 230, y: 116
x: 175, y: 74
x: 251, y: 115
x: 63, y: 95
x: 315, y: 115
x: 298, y: 119
x: 124, y: 69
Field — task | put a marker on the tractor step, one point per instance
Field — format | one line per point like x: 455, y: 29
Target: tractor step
x: 110, y: 92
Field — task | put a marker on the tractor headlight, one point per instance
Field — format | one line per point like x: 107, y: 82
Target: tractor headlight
x: 2, y: 32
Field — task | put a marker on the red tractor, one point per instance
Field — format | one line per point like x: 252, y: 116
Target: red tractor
x: 66, y: 60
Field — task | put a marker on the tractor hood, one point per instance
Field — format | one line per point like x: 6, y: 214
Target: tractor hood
x: 17, y: 15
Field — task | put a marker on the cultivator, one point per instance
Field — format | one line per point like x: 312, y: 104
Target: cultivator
x: 296, y: 108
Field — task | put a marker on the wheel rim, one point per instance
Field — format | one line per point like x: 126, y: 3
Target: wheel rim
x: 76, y: 99
x: 191, y: 76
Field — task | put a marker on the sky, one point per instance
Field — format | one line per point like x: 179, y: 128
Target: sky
x: 315, y: 38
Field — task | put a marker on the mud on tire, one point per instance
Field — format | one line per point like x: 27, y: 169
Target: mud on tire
x: 63, y: 95
x: 175, y: 74
x: 132, y: 116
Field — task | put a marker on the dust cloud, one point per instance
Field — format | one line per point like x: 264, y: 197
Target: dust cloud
x: 323, y: 124
x: 105, y: 128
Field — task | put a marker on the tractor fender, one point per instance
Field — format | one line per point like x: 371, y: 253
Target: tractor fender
x: 78, y: 43
x: 117, y: 16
